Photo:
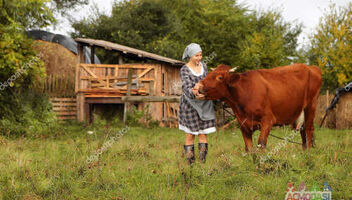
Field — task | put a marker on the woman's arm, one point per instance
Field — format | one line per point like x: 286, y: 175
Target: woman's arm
x: 187, y: 84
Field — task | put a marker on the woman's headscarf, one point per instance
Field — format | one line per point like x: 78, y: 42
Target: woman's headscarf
x: 190, y: 51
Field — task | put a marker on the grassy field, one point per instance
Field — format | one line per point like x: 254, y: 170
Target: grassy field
x: 147, y: 163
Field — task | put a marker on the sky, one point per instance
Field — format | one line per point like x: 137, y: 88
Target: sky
x: 307, y: 12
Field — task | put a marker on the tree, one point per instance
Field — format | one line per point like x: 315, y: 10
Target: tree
x: 166, y: 27
x: 236, y: 35
x: 271, y: 42
x: 331, y: 47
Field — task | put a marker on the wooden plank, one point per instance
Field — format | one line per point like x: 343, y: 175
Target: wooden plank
x: 64, y: 109
x: 150, y: 98
x: 63, y: 106
x: 66, y: 117
x: 105, y: 100
x: 62, y: 99
x: 62, y: 113
x: 125, y: 66
x: 102, y: 96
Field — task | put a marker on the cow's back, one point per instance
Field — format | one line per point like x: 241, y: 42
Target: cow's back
x: 286, y: 90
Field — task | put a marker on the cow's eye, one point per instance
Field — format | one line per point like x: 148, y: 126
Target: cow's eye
x: 219, y: 78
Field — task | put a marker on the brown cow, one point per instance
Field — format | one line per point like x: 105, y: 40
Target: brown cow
x: 264, y: 98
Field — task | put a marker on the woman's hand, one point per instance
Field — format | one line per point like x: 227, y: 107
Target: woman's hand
x: 197, y: 86
x: 197, y: 94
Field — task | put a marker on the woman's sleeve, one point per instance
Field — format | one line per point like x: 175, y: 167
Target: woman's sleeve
x: 187, y: 84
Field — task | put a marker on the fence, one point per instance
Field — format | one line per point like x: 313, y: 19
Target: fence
x: 64, y: 108
x: 338, y: 118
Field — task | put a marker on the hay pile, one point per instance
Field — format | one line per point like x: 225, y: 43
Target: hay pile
x: 323, y: 103
x: 60, y: 64
x: 343, y: 112
x: 338, y: 118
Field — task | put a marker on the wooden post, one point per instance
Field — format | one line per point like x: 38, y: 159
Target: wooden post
x: 327, y: 105
x: 120, y: 59
x: 87, y: 112
x: 129, y: 81
x: 92, y: 57
x: 80, y: 106
x: 79, y: 96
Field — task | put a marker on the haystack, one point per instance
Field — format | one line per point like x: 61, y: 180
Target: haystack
x: 323, y: 103
x: 344, y: 112
x: 60, y: 65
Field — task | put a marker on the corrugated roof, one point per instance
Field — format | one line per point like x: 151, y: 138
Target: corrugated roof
x: 128, y: 50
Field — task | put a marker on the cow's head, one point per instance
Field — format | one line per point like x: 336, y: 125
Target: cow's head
x: 215, y: 85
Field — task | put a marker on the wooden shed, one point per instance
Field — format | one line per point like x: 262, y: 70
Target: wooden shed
x: 154, y: 80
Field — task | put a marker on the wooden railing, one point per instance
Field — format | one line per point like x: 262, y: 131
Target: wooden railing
x: 96, y: 78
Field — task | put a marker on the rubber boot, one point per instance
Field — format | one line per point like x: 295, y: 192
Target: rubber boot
x: 189, y: 152
x: 203, y: 150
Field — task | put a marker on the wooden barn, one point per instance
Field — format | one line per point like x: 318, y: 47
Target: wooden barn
x: 151, y: 80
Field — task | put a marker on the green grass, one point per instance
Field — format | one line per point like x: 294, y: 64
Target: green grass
x: 148, y: 164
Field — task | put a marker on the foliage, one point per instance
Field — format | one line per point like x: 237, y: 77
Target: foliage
x: 221, y: 27
x: 65, y: 5
x: 27, y: 113
x: 272, y: 42
x: 331, y: 47
x: 20, y: 67
x: 141, y: 117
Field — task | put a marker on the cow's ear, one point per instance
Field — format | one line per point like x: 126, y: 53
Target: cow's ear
x: 231, y: 78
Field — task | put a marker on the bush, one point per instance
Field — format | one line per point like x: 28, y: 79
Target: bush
x: 29, y: 114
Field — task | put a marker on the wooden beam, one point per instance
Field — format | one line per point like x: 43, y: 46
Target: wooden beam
x: 80, y: 59
x: 150, y: 98
x: 123, y: 66
x: 129, y: 81
x: 144, y: 72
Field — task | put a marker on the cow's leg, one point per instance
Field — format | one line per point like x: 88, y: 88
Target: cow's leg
x: 247, y: 137
x: 309, y: 113
x: 303, y: 136
x: 265, y: 127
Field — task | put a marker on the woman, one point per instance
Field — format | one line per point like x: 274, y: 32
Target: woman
x: 196, y: 116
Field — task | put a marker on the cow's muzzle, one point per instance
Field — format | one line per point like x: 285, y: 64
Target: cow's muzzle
x: 202, y: 89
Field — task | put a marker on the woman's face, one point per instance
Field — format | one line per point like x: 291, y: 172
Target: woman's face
x: 196, y: 58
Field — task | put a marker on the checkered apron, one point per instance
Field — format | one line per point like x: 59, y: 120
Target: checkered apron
x: 188, y: 117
